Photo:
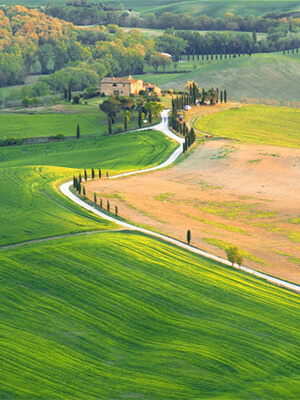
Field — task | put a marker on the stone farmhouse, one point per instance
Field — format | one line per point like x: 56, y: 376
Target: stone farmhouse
x: 126, y: 86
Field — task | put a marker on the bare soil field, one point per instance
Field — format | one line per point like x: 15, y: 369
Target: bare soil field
x: 225, y: 192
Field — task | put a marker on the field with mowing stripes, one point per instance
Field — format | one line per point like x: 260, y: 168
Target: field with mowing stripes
x: 119, y: 315
x: 29, y: 174
x: 255, y: 124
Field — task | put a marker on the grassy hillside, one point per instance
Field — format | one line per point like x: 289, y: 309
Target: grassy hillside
x: 255, y: 124
x: 211, y: 8
x: 194, y: 7
x: 117, y: 315
x: 30, y: 206
x: 62, y: 118
x: 271, y: 76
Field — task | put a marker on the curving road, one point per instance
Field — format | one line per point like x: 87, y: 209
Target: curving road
x: 164, y: 128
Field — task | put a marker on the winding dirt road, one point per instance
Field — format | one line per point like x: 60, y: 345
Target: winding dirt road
x: 163, y: 127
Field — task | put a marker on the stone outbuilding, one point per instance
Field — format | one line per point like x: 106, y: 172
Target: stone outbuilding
x: 126, y: 86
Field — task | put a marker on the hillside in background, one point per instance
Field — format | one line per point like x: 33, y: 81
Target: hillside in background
x: 194, y: 7
x: 272, y: 76
x: 211, y: 8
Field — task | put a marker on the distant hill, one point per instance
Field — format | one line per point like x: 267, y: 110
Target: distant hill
x: 194, y: 7
x: 271, y: 76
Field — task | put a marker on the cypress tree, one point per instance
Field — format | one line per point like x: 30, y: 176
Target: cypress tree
x: 188, y: 236
x: 85, y: 175
x: 74, y: 181
x: 80, y: 179
x: 76, y: 184
x: 78, y: 132
x: 106, y: 175
x: 66, y: 94
x: 221, y: 97
x: 150, y: 116
x: 109, y: 125
x: 93, y: 173
x: 116, y: 210
x: 83, y: 190
x: 99, y: 173
x: 140, y: 122
x: 108, y: 206
x: 79, y: 187
x: 69, y: 93
x: 225, y: 96
x: 180, y: 129
x: 95, y: 198
x: 101, y: 203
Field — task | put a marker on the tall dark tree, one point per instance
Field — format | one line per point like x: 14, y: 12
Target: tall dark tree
x: 83, y: 190
x: 225, y: 96
x: 74, y: 182
x: 66, y: 94
x: 221, y: 96
x: 109, y: 125
x: 106, y: 174
x: 116, y: 210
x: 78, y: 132
x: 150, y: 116
x: 85, y: 175
x: 99, y: 173
x: 101, y: 203
x: 140, y: 121
x: 188, y: 236
x: 93, y: 173
x: 69, y: 93
x: 80, y: 179
x: 108, y: 206
x: 95, y: 198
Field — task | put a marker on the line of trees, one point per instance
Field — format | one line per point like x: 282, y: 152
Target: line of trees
x: 85, y: 13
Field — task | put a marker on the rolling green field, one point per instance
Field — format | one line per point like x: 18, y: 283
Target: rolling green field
x: 30, y: 206
x: 63, y: 119
x: 118, y: 315
x: 255, y: 124
x: 157, y: 32
x: 271, y: 76
x: 215, y: 8
x: 211, y: 8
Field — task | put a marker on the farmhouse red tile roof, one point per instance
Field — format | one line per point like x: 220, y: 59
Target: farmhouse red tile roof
x: 118, y: 80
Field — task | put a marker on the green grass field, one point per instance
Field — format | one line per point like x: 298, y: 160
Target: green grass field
x: 215, y: 8
x: 211, y: 8
x: 118, y: 315
x: 255, y: 124
x: 60, y: 119
x: 28, y: 194
x: 272, y: 76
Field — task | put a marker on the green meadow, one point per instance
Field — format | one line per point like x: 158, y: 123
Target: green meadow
x: 30, y: 205
x: 271, y: 76
x: 60, y: 119
x: 255, y: 124
x: 119, y: 315
x: 212, y: 8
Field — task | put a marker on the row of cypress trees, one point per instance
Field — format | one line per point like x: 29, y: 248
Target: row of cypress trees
x: 77, y: 185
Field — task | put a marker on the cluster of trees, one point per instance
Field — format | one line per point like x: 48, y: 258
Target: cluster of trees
x: 151, y: 108
x: 31, y: 41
